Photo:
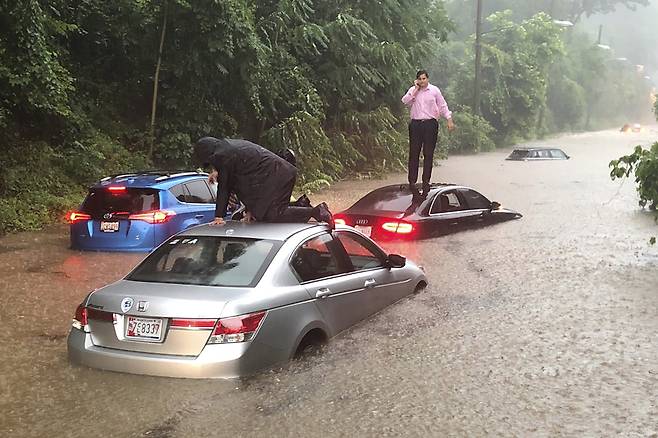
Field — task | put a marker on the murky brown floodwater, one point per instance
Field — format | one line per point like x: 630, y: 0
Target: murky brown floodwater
x: 539, y: 327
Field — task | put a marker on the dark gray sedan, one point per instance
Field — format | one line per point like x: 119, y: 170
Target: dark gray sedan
x: 400, y: 212
x: 226, y: 301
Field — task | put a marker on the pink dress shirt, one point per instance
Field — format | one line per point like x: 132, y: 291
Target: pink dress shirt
x: 426, y: 103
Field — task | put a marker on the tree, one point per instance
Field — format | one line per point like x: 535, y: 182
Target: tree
x: 515, y: 66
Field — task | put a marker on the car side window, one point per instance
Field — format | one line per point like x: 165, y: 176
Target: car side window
x: 446, y: 202
x: 362, y: 254
x: 544, y: 154
x: 556, y: 153
x: 316, y: 258
x: 474, y: 200
x: 199, y: 192
x: 180, y: 192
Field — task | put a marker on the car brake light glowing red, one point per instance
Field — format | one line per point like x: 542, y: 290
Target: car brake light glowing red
x: 153, y: 217
x: 236, y: 329
x: 76, y: 216
x: 398, y: 227
x: 80, y: 319
x: 193, y: 323
x: 339, y: 221
x: 117, y: 189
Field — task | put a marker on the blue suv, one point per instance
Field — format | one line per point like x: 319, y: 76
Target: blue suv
x: 138, y: 211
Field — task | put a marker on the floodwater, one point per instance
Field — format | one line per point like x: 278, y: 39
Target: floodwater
x: 543, y: 326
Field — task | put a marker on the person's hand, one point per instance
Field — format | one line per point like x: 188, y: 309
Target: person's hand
x: 212, y: 177
x: 417, y: 84
x: 451, y: 125
x: 218, y: 221
x: 248, y: 217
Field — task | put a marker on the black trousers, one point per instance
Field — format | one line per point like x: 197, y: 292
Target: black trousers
x: 281, y: 211
x: 422, y: 136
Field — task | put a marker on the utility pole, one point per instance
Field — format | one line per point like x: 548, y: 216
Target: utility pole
x: 478, y: 55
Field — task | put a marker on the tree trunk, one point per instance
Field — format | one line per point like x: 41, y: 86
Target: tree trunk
x: 156, y: 80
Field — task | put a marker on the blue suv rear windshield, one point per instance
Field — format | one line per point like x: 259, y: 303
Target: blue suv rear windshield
x: 123, y: 201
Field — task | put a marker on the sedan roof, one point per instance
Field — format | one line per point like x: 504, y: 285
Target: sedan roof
x: 256, y: 230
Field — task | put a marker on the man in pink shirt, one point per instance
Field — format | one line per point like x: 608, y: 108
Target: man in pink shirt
x: 427, y: 106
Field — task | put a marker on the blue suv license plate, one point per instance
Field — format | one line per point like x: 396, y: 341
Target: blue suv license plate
x: 109, y: 227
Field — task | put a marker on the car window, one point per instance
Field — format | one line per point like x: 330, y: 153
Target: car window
x: 199, y: 192
x: 519, y: 153
x: 390, y: 199
x: 316, y: 258
x: 207, y: 260
x: 544, y: 153
x: 362, y: 254
x: 445, y: 202
x: 557, y: 153
x: 126, y: 201
x: 475, y: 200
x: 179, y: 192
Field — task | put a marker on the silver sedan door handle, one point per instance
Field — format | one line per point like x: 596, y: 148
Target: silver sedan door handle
x: 323, y: 292
x: 371, y: 282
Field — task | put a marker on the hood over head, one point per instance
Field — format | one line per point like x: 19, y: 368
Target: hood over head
x: 206, y: 147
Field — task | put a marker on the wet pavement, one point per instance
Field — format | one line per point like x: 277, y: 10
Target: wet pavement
x: 543, y: 326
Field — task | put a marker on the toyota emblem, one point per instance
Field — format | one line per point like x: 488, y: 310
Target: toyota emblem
x: 107, y: 216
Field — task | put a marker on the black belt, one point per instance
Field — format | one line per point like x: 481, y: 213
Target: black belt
x: 422, y: 120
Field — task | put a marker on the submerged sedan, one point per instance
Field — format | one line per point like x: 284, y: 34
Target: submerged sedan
x: 537, y: 154
x: 399, y: 211
x: 226, y: 301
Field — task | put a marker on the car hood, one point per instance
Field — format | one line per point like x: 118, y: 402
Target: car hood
x: 164, y: 299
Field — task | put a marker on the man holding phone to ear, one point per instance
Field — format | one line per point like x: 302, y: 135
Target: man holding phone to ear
x: 426, y: 105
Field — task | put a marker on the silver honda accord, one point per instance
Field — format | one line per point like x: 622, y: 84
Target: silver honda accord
x: 226, y: 301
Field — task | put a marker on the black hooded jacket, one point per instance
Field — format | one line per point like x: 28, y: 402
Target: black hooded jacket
x: 256, y: 175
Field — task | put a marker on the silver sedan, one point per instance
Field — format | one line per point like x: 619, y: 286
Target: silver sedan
x: 227, y: 301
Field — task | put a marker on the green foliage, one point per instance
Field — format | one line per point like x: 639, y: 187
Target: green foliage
x: 304, y: 135
x: 40, y: 183
x: 32, y: 76
x: 644, y: 164
x: 515, y: 66
x: 471, y: 136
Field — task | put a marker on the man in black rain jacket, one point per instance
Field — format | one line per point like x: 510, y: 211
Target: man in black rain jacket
x: 262, y: 180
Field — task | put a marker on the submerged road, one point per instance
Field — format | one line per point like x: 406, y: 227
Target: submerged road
x: 542, y: 326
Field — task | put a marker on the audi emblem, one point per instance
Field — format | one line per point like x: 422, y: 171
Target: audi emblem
x: 362, y: 221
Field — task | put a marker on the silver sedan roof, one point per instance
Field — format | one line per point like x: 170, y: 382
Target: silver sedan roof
x: 257, y: 230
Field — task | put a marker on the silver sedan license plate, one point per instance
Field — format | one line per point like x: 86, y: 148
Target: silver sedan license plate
x: 109, y: 227
x: 144, y: 329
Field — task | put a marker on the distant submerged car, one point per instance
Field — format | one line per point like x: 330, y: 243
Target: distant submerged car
x: 398, y: 211
x: 538, y: 153
x: 635, y: 127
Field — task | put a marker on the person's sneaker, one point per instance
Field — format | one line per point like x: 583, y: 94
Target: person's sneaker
x: 324, y: 215
x: 303, y: 201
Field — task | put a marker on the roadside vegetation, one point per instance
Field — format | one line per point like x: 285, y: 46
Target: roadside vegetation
x: 643, y: 163
x: 108, y: 87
